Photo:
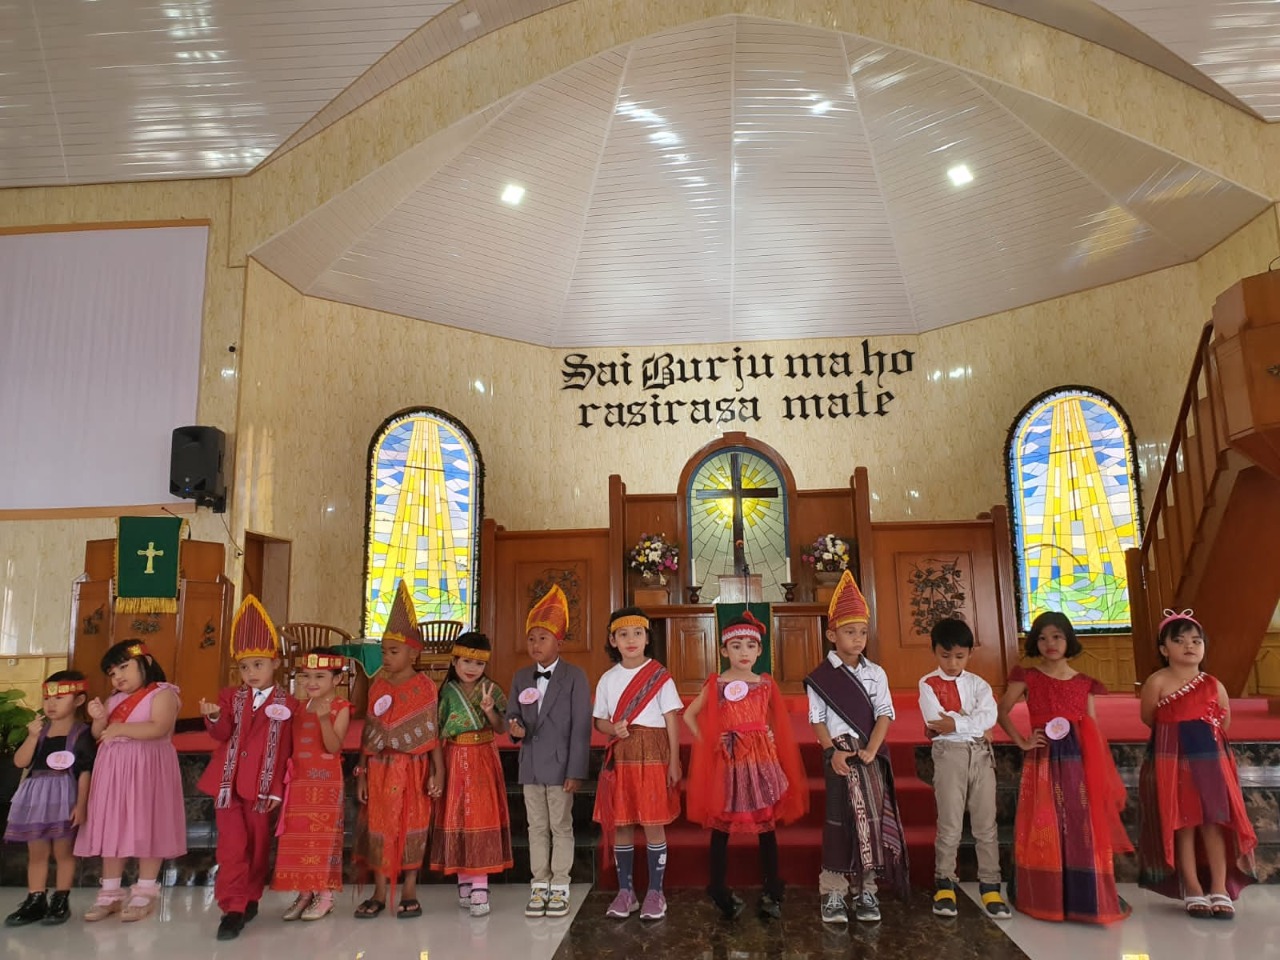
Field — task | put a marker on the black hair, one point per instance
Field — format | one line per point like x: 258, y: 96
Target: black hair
x: 59, y: 676
x: 476, y: 641
x: 614, y: 653
x: 324, y: 652
x: 949, y: 633
x: 1052, y: 618
x: 1175, y: 628
x: 119, y: 653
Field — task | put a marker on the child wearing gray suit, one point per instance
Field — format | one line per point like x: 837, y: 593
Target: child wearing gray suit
x: 549, y: 715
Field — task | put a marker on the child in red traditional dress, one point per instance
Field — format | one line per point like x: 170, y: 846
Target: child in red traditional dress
x: 472, y: 834
x: 745, y: 775
x: 1067, y: 829
x: 251, y: 726
x: 1189, y: 785
x: 135, y: 806
x: 53, y: 799
x: 637, y: 708
x: 401, y: 770
x: 309, y: 851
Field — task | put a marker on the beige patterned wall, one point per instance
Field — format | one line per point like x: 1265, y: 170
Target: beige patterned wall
x: 313, y: 379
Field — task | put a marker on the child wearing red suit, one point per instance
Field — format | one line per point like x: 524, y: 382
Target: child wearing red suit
x: 1067, y: 829
x: 745, y: 775
x: 401, y: 770
x: 472, y: 832
x: 251, y: 726
x: 637, y: 708
x: 1189, y: 785
x: 309, y: 854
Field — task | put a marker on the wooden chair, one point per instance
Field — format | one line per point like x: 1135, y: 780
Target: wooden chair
x: 298, y: 639
x: 437, y: 646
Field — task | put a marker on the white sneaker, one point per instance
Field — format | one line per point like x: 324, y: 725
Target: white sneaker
x: 537, y: 905
x: 479, y: 903
x: 558, y: 904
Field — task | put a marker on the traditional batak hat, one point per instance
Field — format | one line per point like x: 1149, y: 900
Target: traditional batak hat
x: 628, y: 617
x: 473, y: 646
x: 551, y: 613
x: 848, y: 605
x: 60, y: 688
x: 402, y: 622
x: 743, y: 627
x: 252, y: 632
x: 322, y: 661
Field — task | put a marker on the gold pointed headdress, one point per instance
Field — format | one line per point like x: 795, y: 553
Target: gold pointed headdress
x: 252, y: 632
x: 551, y: 613
x: 402, y: 622
x: 848, y: 605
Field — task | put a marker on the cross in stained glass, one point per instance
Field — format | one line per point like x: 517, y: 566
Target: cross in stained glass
x: 737, y: 493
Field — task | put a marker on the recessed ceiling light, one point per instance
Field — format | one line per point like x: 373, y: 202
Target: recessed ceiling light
x: 469, y: 21
x: 513, y: 194
x: 960, y: 175
x: 822, y: 107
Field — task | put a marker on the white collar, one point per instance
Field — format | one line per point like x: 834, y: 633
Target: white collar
x: 260, y: 695
x: 549, y: 668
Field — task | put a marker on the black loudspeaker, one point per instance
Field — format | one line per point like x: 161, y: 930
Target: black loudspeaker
x: 195, y: 466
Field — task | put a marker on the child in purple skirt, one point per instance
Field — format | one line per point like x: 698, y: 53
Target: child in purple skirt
x: 52, y: 800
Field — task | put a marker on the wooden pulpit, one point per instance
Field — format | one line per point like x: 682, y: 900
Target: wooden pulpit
x: 191, y: 646
x: 740, y: 589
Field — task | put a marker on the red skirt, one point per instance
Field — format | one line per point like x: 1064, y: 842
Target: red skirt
x: 472, y: 829
x: 397, y: 818
x: 635, y: 791
x: 309, y: 851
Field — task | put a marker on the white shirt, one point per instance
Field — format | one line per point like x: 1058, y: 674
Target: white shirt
x: 610, y: 689
x: 261, y: 696
x: 543, y: 682
x: 976, y: 699
x: 873, y: 679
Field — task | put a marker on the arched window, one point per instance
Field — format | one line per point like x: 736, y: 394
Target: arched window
x: 1074, y: 497
x: 422, y: 519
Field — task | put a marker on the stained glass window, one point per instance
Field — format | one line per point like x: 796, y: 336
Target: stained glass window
x: 422, y: 518
x: 738, y: 494
x: 1073, y: 490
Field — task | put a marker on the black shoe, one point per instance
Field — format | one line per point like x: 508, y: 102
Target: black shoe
x: 59, y: 908
x: 231, y: 925
x: 727, y: 902
x: 250, y: 910
x: 33, y: 909
x: 769, y: 907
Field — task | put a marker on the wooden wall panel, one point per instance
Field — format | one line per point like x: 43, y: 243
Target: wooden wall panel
x: 798, y: 648
x: 524, y: 564
x: 906, y: 593
x: 691, y: 650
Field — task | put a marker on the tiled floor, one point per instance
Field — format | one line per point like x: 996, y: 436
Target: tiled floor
x: 186, y: 924
x: 1158, y: 930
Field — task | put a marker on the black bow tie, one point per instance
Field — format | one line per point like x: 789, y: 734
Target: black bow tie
x: 545, y: 674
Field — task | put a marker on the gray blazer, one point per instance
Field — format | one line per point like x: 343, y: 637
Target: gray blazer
x: 557, y: 743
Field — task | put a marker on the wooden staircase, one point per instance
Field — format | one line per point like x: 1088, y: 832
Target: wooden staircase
x: 1212, y: 540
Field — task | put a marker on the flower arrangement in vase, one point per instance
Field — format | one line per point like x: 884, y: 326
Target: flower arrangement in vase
x: 827, y: 554
x: 655, y: 557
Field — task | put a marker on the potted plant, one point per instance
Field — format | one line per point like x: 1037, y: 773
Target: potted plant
x: 829, y: 556
x: 655, y: 557
x: 14, y: 717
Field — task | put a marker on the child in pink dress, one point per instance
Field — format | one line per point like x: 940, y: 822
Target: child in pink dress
x: 135, y: 806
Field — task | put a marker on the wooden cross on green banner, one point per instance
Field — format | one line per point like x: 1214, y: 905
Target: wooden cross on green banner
x: 147, y: 564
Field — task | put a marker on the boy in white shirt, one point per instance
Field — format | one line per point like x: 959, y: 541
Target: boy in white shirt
x: 959, y: 710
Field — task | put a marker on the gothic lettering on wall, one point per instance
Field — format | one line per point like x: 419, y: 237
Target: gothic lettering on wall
x: 867, y: 394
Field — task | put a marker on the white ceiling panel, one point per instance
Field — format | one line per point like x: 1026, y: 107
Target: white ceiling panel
x: 745, y: 179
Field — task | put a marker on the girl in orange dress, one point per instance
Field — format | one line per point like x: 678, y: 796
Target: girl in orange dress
x: 1189, y: 785
x: 1067, y: 829
x: 472, y: 835
x: 745, y: 775
x: 309, y: 852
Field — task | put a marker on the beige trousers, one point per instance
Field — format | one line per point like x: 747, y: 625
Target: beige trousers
x: 831, y: 882
x: 550, y: 813
x: 964, y: 778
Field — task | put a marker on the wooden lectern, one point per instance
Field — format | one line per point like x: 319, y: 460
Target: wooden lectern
x: 191, y: 646
x: 740, y: 589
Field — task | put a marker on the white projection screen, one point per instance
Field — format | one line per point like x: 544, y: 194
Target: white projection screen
x: 99, y: 361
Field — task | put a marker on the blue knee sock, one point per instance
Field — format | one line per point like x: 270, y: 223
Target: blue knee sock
x: 623, y: 859
x: 657, y: 865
